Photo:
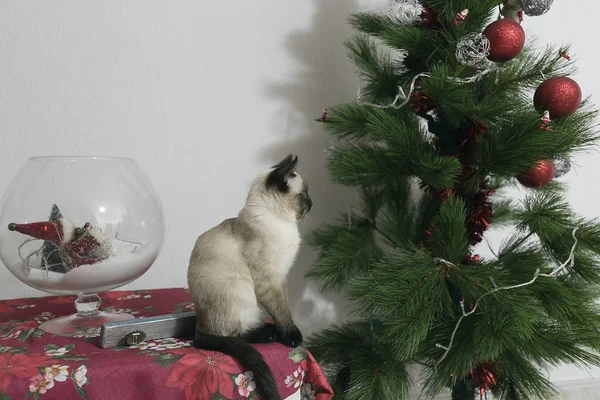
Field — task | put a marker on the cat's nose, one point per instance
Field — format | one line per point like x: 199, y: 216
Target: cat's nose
x: 309, y: 203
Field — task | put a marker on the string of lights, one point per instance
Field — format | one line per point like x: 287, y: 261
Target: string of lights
x: 569, y: 263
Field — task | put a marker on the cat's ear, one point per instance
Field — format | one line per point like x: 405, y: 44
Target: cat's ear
x: 281, y: 174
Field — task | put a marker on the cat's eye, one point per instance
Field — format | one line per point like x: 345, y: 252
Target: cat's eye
x: 292, y: 175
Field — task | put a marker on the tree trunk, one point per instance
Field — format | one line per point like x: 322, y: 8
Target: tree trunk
x: 463, y: 390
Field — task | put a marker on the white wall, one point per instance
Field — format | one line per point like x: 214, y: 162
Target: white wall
x: 204, y: 95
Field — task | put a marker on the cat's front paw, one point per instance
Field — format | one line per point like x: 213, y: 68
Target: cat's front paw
x: 263, y: 334
x: 291, y: 338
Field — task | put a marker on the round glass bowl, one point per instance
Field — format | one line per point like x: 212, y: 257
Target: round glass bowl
x: 80, y: 226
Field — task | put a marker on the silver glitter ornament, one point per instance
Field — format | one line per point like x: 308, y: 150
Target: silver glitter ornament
x: 534, y: 8
x: 473, y: 49
x: 405, y: 11
x: 562, y: 166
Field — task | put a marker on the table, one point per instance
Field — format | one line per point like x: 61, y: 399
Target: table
x: 38, y: 365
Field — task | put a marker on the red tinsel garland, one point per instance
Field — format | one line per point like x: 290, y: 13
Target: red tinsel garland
x: 420, y: 103
x: 429, y: 19
x: 478, y: 220
x: 484, y: 377
x: 480, y: 206
x: 480, y: 213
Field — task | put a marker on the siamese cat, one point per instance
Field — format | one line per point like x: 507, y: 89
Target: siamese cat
x: 238, y: 270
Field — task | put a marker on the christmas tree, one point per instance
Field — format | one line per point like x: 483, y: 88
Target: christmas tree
x: 457, y: 111
x: 51, y: 258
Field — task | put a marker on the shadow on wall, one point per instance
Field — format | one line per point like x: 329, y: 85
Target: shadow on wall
x: 324, y: 77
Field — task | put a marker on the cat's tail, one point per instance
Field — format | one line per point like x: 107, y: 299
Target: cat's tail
x: 246, y: 354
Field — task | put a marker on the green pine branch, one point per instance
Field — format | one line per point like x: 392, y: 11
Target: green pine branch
x: 375, y: 69
x: 419, y: 42
x: 522, y: 379
x: 550, y: 218
x: 361, y: 165
x: 515, y: 146
x: 407, y: 291
x: 335, y: 265
x: 533, y: 66
x: 449, y: 237
x: 503, y: 212
x: 400, y: 147
x: 346, y: 349
x: 401, y: 210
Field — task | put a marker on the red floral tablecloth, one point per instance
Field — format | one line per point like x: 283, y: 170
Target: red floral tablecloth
x: 44, y: 366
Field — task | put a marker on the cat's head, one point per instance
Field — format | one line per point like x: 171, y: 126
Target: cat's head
x: 284, y: 190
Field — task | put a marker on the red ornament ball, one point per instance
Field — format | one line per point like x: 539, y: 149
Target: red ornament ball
x: 539, y: 176
x: 507, y: 39
x: 559, y: 95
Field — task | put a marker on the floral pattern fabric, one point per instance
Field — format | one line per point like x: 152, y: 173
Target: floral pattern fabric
x: 42, y: 366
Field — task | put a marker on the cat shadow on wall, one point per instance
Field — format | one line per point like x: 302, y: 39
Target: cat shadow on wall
x: 324, y: 76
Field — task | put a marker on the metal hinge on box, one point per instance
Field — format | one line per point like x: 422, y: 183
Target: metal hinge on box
x: 135, y: 331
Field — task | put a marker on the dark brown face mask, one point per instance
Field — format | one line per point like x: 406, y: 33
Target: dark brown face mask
x: 282, y: 172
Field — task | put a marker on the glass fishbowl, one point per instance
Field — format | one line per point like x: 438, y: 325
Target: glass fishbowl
x: 80, y: 226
